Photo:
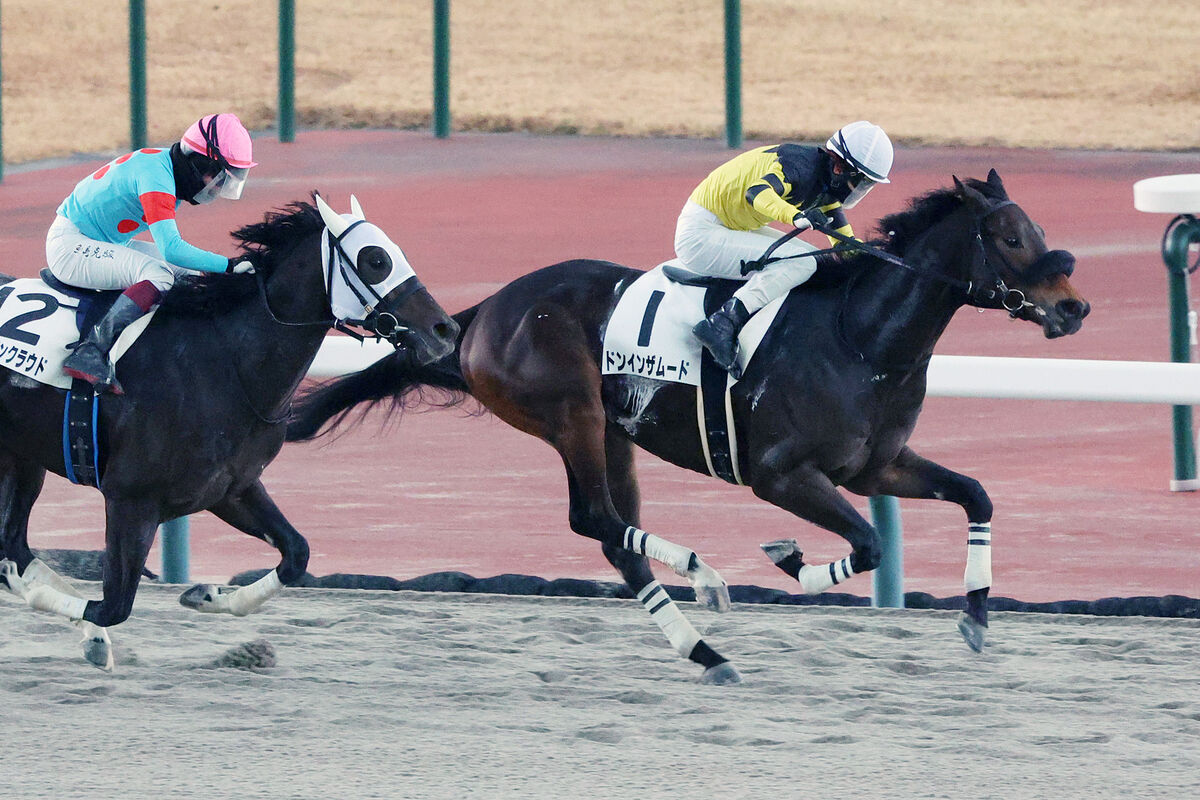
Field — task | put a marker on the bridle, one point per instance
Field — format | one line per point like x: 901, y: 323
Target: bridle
x: 994, y: 293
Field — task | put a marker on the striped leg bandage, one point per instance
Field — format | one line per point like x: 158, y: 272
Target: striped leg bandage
x: 679, y: 632
x: 978, y: 574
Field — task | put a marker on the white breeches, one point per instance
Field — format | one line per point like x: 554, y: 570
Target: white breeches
x: 706, y: 246
x: 81, y: 261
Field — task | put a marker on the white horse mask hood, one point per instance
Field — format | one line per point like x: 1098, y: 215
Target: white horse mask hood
x: 357, y: 281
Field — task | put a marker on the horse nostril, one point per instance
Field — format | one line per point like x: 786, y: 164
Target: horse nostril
x: 1074, y: 309
x: 444, y: 330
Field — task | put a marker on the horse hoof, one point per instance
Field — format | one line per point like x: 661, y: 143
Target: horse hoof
x: 780, y: 549
x: 711, y: 590
x: 724, y: 674
x: 207, y: 598
x: 972, y: 632
x: 97, y: 647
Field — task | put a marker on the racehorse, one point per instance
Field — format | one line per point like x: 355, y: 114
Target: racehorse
x: 829, y: 400
x: 207, y: 394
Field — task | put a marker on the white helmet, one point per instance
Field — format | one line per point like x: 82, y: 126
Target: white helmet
x: 866, y: 147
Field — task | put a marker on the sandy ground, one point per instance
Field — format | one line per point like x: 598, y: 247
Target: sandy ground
x: 1073, y: 73
x: 448, y: 696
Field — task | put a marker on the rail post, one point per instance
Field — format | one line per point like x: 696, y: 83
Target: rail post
x: 137, y: 74
x: 175, y: 550
x: 287, y: 70
x: 887, y: 581
x: 1179, y: 195
x: 441, y: 68
x: 733, y: 73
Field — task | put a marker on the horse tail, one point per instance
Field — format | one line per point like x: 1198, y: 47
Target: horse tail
x: 393, y: 378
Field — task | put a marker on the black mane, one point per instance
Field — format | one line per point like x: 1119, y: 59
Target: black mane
x: 262, y: 244
x: 896, y: 232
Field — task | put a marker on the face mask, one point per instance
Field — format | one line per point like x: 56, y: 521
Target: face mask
x: 228, y: 184
x: 859, y: 185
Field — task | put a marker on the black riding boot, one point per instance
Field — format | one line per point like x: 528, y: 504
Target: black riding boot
x: 719, y: 334
x: 90, y: 360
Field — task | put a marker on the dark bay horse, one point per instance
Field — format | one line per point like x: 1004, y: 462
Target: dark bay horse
x: 829, y: 400
x: 207, y: 394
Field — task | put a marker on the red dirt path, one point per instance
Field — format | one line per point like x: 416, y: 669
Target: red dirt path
x: 1080, y: 489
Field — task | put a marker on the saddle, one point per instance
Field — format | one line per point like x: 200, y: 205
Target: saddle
x: 93, y: 303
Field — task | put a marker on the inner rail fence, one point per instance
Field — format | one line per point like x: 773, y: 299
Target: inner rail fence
x: 1170, y: 383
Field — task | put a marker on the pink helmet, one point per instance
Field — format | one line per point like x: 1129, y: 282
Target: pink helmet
x: 221, y: 137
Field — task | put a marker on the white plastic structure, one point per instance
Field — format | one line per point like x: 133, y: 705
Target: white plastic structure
x: 1168, y: 194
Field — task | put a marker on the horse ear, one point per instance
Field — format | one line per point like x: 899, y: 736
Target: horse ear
x: 333, y: 220
x: 994, y: 181
x: 972, y: 197
x: 355, y: 208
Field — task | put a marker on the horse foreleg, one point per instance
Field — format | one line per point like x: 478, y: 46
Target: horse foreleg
x: 635, y: 570
x: 910, y: 475
x: 253, y: 512
x: 810, y: 495
x: 592, y: 513
x: 97, y: 647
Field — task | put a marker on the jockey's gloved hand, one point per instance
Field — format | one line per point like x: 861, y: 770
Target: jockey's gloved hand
x: 812, y: 218
x: 239, y: 267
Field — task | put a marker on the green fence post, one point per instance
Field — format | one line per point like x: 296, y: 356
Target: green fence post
x: 287, y: 70
x: 887, y: 582
x: 137, y: 74
x: 175, y: 550
x: 733, y: 73
x: 441, y: 68
x: 1182, y: 233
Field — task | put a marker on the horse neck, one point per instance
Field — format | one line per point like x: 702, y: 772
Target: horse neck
x: 275, y: 341
x: 894, y: 316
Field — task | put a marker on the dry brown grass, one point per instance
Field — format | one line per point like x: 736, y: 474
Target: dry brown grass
x: 1094, y: 74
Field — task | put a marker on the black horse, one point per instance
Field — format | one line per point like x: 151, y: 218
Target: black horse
x: 208, y: 389
x: 829, y: 400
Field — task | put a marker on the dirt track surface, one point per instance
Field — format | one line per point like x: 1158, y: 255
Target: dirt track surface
x: 1082, y: 507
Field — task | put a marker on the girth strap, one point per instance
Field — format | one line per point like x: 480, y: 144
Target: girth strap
x: 81, y: 449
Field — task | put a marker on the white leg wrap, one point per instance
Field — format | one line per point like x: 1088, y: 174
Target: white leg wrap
x: 978, y: 574
x: 250, y: 598
x: 679, y: 632
x: 816, y: 579
x: 46, y: 598
x: 647, y: 544
x: 39, y: 573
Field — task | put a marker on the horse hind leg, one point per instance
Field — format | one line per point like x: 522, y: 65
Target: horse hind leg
x: 635, y: 570
x: 592, y: 514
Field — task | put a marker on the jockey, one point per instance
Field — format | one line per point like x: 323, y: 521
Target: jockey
x: 723, y: 226
x: 91, y: 241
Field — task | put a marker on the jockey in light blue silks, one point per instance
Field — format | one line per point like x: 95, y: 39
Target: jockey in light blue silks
x: 91, y: 242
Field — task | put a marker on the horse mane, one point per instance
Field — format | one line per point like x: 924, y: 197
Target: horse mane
x: 263, y: 244
x: 896, y: 232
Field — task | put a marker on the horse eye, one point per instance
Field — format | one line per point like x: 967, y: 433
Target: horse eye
x: 1012, y: 242
x: 374, y: 264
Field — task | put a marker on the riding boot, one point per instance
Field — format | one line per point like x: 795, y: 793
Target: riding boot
x: 90, y: 360
x: 719, y: 334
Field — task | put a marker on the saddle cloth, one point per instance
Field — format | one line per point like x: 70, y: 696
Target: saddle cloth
x: 650, y: 331
x: 39, y: 322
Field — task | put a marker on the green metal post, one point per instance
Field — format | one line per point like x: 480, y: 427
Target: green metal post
x: 441, y: 68
x: 175, y: 550
x: 1183, y: 232
x: 287, y: 70
x: 887, y: 582
x: 1, y: 123
x: 137, y: 74
x: 733, y: 73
